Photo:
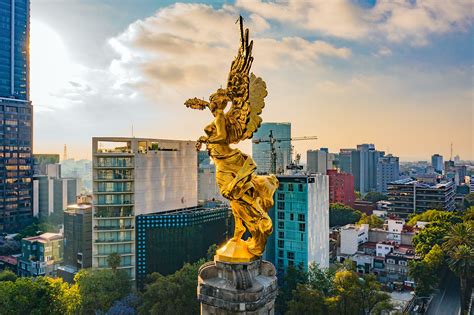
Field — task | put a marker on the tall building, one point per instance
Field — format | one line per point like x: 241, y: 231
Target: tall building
x: 345, y: 160
x: 341, y: 188
x: 364, y: 167
x: 388, y: 170
x: 41, y: 255
x: 166, y: 241
x: 41, y: 162
x: 53, y: 193
x: 317, y: 161
x: 300, y: 222
x: 409, y: 196
x: 261, y: 152
x: 78, y: 234
x: 437, y: 162
x: 131, y: 177
x: 16, y: 112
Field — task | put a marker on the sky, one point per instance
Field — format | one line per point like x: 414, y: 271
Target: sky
x: 398, y: 74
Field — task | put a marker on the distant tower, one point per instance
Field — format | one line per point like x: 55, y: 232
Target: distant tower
x: 65, y: 153
x: 451, y: 155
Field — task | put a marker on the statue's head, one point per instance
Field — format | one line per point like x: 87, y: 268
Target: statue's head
x: 219, y: 100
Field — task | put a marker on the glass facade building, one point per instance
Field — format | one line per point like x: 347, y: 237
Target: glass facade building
x: 16, y: 118
x: 300, y: 222
x: 166, y: 241
x: 131, y: 177
x: 261, y: 152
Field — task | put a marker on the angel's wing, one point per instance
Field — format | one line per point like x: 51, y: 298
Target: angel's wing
x: 246, y: 93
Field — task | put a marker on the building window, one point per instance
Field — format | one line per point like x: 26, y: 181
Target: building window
x: 292, y: 216
x: 302, y: 227
x: 280, y: 262
x: 301, y: 217
x: 290, y: 255
x: 390, y: 261
x: 300, y: 187
x: 281, y: 186
x: 281, y: 243
x: 280, y: 253
x: 290, y: 187
x: 281, y: 205
x: 402, y: 263
x: 291, y: 263
x: 281, y: 234
x: 281, y: 196
x: 281, y: 215
x: 281, y: 224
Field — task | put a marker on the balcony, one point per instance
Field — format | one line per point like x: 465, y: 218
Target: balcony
x: 112, y: 241
x: 114, y: 228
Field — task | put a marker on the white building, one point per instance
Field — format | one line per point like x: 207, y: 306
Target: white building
x: 133, y: 176
x: 53, y: 193
x: 352, y: 236
x: 317, y: 161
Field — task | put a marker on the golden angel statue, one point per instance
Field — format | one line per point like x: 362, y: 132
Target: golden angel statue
x: 250, y: 196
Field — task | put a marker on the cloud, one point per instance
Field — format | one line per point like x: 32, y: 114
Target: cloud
x: 397, y: 21
x: 383, y: 52
x: 190, y: 46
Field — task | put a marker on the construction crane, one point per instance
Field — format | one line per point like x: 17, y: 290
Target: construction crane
x: 272, y: 140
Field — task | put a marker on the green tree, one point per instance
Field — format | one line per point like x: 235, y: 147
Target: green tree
x: 374, y: 196
x: 293, y: 276
x: 99, y: 288
x: 321, y: 279
x: 42, y: 295
x: 461, y: 261
x: 357, y: 295
x: 435, y: 216
x: 434, y: 258
x: 113, y: 261
x: 469, y: 200
x: 340, y: 214
x: 459, y: 234
x: 211, y: 251
x: 307, y: 301
x: 372, y: 220
x: 7, y: 275
x: 172, y: 294
x: 424, y: 277
x: 459, y: 244
x: 429, y: 236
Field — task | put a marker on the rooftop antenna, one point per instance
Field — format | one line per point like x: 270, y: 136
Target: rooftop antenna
x: 132, y: 132
x: 451, y: 155
x: 65, y: 153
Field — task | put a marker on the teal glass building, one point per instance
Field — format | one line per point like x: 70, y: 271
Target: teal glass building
x: 300, y: 222
x: 16, y: 118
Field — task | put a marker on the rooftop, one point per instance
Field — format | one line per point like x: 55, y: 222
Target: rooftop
x: 9, y: 260
x: 45, y: 237
x: 420, y: 184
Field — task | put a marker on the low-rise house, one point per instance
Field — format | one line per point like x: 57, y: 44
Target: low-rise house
x: 41, y: 255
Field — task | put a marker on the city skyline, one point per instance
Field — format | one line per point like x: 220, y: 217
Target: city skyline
x: 386, y: 75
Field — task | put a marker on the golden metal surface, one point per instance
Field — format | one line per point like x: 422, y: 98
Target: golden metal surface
x: 250, y: 196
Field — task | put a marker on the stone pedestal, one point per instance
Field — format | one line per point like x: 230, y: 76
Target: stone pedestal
x: 237, y: 288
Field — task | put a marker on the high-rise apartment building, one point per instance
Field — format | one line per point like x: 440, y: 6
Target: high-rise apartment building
x: 53, y: 193
x: 345, y: 160
x: 207, y: 184
x: 317, y: 161
x: 261, y: 152
x: 341, y: 188
x: 300, y: 222
x: 410, y: 196
x: 437, y: 162
x: 388, y: 170
x: 131, y: 177
x: 16, y: 113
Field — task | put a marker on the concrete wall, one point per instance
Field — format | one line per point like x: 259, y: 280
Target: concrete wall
x: 166, y: 180
x: 318, y: 221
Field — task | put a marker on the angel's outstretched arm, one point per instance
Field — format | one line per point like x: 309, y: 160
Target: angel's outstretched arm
x: 221, y: 133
